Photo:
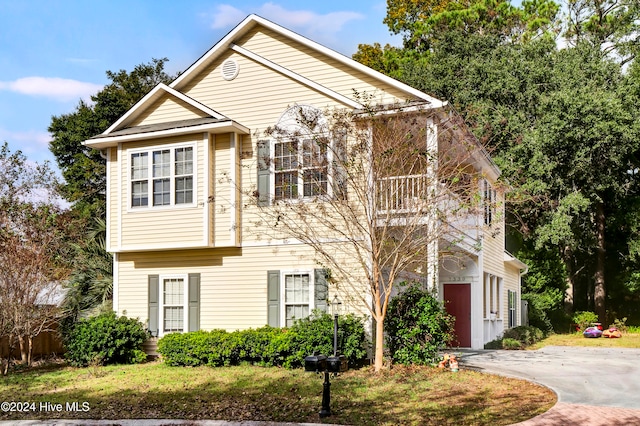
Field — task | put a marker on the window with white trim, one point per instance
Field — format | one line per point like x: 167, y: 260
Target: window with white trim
x: 300, y: 168
x: 513, y: 299
x: 162, y: 177
x: 489, y: 202
x: 492, y: 296
x: 297, y: 300
x: 173, y: 304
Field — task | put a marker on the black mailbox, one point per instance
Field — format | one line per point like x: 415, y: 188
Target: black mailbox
x: 315, y: 363
x: 337, y: 364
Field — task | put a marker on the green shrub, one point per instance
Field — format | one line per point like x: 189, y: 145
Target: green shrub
x: 417, y: 327
x: 511, y: 344
x: 494, y: 344
x: 517, y: 338
x: 267, y: 346
x: 526, y: 335
x: 105, y: 339
x: 315, y: 334
x: 584, y: 318
x: 620, y: 324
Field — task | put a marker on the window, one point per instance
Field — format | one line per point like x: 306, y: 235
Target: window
x: 293, y: 295
x: 139, y: 183
x: 296, y: 297
x: 512, y: 308
x: 492, y: 296
x: 170, y: 181
x: 489, y: 202
x: 173, y: 304
x: 300, y: 169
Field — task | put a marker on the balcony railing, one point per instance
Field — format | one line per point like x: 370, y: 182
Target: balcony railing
x: 401, y: 194
x: 414, y: 196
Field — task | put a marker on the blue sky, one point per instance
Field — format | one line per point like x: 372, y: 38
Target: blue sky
x: 55, y: 52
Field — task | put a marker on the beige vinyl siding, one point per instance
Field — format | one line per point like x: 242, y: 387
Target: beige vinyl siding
x: 221, y: 191
x: 259, y: 95
x: 161, y: 227
x: 493, y: 241
x: 322, y: 69
x: 511, y: 280
x: 256, y: 97
x: 233, y: 283
x: 168, y: 109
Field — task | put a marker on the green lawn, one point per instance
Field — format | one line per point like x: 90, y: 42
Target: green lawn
x: 403, y: 395
x: 628, y: 340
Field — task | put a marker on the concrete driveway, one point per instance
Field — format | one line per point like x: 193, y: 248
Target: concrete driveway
x: 585, y: 379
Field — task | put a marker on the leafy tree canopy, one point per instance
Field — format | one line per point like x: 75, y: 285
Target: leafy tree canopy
x: 83, y: 168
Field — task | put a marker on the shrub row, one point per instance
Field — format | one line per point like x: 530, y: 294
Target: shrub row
x: 105, y: 339
x: 267, y: 346
x: 517, y: 338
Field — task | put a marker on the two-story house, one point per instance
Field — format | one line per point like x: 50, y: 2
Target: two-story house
x: 177, y: 215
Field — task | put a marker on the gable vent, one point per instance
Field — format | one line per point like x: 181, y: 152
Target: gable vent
x: 230, y: 69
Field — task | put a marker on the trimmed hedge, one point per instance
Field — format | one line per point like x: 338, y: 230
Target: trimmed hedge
x: 267, y: 346
x: 106, y: 339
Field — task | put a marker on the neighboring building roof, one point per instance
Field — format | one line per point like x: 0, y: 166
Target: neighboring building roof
x: 52, y: 294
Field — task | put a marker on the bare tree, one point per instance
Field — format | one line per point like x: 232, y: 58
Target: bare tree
x: 31, y: 258
x: 376, y: 193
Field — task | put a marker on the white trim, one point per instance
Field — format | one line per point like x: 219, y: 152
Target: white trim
x: 233, y: 178
x: 108, y: 202
x: 155, y: 94
x: 294, y: 76
x: 172, y: 177
x: 119, y: 197
x: 252, y: 20
x: 312, y: 296
x: 185, y: 302
x: 115, y: 292
x: 106, y: 142
x: 206, y: 178
x: 163, y: 246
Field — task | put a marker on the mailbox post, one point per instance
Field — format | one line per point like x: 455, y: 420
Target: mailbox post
x: 334, y: 364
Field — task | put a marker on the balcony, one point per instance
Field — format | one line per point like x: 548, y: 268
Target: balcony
x: 399, y: 195
x: 405, y: 199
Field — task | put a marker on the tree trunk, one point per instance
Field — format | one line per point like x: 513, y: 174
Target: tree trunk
x: 24, y: 349
x: 379, y: 355
x: 30, y: 352
x: 570, y: 294
x: 599, y: 291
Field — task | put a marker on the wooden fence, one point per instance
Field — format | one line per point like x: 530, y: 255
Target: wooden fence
x: 45, y: 344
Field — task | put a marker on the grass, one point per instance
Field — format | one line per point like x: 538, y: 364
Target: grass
x: 628, y: 340
x: 402, y: 395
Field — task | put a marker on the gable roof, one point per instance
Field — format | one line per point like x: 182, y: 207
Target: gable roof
x: 128, y: 127
x: 251, y: 21
x: 155, y: 94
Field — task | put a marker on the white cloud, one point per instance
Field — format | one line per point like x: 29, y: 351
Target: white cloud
x: 226, y: 16
x: 33, y: 143
x: 60, y: 89
x: 307, y: 22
